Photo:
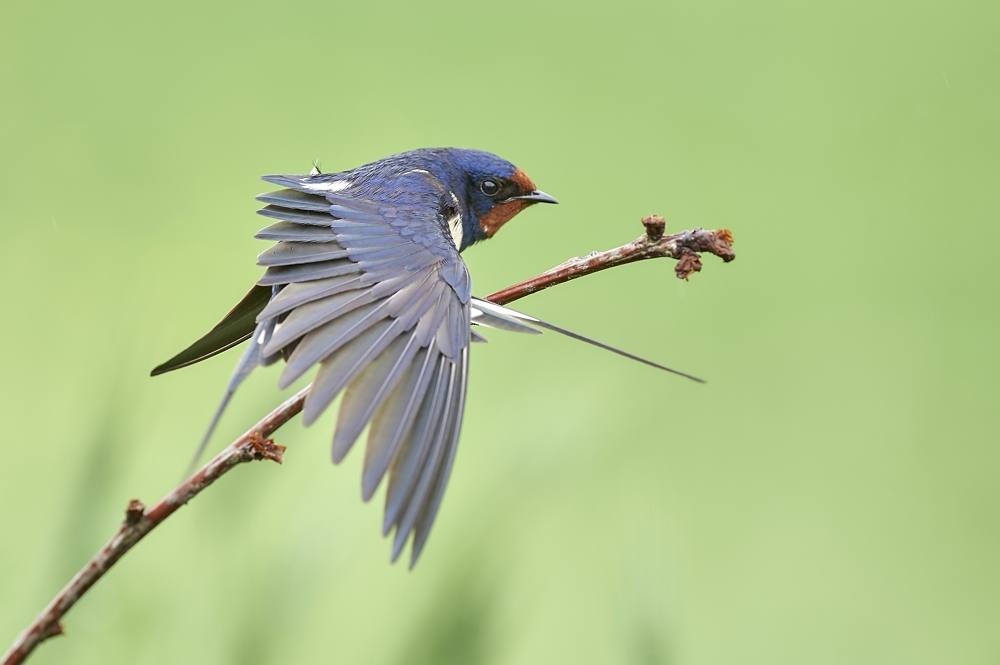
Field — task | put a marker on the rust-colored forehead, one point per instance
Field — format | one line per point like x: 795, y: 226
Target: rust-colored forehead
x: 523, y: 181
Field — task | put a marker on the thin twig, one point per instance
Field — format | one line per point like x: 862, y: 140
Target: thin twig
x: 684, y: 246
x: 255, y: 444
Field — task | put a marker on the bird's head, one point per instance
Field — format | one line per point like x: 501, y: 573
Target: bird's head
x: 495, y: 190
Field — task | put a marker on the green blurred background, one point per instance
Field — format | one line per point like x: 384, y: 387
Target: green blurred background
x: 830, y: 496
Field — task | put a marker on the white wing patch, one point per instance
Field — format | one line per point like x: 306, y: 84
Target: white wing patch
x: 455, y: 226
x: 333, y: 186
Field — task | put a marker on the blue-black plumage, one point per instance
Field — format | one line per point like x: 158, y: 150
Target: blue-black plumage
x: 366, y: 280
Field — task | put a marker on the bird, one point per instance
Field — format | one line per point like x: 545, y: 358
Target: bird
x: 366, y: 280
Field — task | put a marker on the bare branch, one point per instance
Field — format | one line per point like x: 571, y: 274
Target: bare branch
x: 254, y: 445
x: 684, y: 246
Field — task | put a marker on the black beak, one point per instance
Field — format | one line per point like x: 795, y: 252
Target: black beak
x: 536, y: 196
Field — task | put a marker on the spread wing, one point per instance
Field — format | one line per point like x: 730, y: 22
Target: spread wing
x: 372, y: 289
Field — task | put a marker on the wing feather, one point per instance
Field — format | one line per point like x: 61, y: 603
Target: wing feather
x: 292, y: 253
x: 307, y: 271
x: 384, y: 252
x: 303, y: 217
x: 311, y: 316
x: 445, y: 341
x: 323, y: 341
x: 410, y: 459
x: 357, y: 241
x: 292, y: 232
x: 317, y: 183
x: 457, y: 276
x: 459, y: 326
x: 425, y: 518
x: 428, y: 325
x: 379, y: 271
x: 356, y: 205
x: 290, y: 198
x: 347, y: 229
x: 369, y: 390
x: 424, y: 474
x: 388, y: 268
x: 353, y: 214
x: 300, y: 293
x: 408, y: 319
x: 392, y: 422
x: 338, y: 369
x: 406, y: 292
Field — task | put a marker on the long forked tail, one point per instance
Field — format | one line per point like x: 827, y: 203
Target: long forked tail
x: 492, y: 312
x: 251, y: 358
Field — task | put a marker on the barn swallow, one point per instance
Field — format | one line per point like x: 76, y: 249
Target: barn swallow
x: 366, y: 280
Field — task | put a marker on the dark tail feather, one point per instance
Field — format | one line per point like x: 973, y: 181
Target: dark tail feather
x: 606, y: 347
x: 487, y: 306
x: 235, y: 327
x: 248, y: 362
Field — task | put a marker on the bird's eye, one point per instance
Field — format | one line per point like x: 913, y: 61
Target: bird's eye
x: 489, y: 187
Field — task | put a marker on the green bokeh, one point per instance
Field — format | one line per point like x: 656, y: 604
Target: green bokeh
x: 830, y: 496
